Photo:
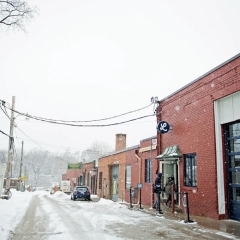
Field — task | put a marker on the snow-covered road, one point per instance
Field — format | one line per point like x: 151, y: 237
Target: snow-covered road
x: 57, y: 217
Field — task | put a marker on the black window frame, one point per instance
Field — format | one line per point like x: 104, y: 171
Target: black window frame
x: 190, y: 170
x: 128, y: 169
x: 148, y: 170
x: 100, y: 181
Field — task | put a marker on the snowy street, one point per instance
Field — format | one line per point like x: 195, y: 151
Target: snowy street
x: 39, y: 215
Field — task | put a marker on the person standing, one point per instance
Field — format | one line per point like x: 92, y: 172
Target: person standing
x: 157, y: 190
x: 168, y: 190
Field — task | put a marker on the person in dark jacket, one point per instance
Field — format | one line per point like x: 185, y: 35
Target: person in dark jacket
x: 157, y: 189
x: 168, y: 190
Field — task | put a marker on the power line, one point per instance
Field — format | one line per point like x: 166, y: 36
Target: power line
x: 64, y: 121
x: 61, y: 147
x: 96, y: 125
x: 39, y: 145
x: 5, y: 134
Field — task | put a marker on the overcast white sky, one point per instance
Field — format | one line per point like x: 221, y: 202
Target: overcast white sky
x: 84, y: 60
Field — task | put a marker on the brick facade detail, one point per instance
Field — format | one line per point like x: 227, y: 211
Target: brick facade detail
x: 190, y: 111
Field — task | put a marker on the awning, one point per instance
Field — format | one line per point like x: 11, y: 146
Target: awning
x: 170, y: 152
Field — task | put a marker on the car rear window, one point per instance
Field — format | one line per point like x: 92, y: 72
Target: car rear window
x: 81, y: 188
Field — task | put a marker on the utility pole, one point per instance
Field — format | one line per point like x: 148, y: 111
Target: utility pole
x: 20, y: 174
x: 10, y: 147
x: 25, y: 178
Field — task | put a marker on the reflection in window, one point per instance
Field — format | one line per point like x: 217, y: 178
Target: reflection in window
x: 235, y: 177
x: 148, y: 170
x: 100, y: 181
x: 235, y: 161
x: 234, y: 145
x: 234, y: 130
x: 128, y: 177
x: 235, y: 194
x: 190, y: 170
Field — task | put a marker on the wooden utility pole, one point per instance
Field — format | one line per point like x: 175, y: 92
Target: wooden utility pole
x: 10, y: 147
x: 20, y: 174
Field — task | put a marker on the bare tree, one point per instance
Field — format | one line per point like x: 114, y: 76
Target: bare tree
x: 96, y: 150
x: 36, y: 162
x: 15, y: 14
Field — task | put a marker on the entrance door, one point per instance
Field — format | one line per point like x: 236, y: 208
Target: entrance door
x: 170, y: 168
x: 115, y: 183
x: 232, y: 143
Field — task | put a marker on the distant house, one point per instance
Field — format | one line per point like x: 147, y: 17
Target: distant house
x: 82, y: 174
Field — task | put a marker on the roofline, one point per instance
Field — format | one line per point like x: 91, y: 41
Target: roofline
x: 120, y: 151
x: 202, y: 76
x: 146, y: 139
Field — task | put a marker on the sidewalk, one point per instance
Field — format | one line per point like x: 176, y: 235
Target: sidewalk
x: 227, y: 226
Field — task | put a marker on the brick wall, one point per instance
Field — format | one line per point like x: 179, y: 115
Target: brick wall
x: 105, y: 166
x: 120, y: 142
x: 191, y: 113
x: 70, y: 175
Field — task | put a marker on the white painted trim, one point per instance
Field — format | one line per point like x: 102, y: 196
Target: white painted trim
x: 176, y: 162
x: 225, y: 110
x: 219, y: 155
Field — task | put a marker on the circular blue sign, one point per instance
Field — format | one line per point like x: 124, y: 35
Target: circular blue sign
x: 163, y: 127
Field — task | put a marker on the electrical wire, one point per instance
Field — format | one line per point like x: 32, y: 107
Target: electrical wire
x: 91, y: 125
x: 5, y: 134
x: 64, y: 121
x: 38, y: 144
x: 61, y: 147
x: 5, y: 112
x: 81, y: 125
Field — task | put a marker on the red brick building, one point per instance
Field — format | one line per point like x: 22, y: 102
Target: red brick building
x: 111, y: 171
x: 125, y: 168
x: 86, y: 175
x: 202, y: 150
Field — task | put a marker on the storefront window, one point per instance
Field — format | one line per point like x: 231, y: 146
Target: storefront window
x: 190, y: 170
x: 235, y: 177
x: 100, y: 180
x: 235, y: 194
x: 148, y: 170
x: 235, y: 161
x: 128, y: 176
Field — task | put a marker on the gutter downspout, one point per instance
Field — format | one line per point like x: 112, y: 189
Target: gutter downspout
x: 159, y: 144
x: 140, y: 171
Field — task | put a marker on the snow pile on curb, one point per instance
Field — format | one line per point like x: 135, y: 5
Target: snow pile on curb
x: 12, y: 211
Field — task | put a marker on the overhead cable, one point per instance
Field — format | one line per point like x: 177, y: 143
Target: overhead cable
x: 38, y: 144
x: 91, y: 125
x: 78, y: 125
x: 6, y: 134
x: 73, y: 121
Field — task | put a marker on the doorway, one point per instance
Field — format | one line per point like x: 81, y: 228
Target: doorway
x: 170, y: 168
x: 232, y: 143
x: 115, y: 183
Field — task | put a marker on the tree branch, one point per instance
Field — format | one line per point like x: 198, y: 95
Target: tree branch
x: 15, y: 13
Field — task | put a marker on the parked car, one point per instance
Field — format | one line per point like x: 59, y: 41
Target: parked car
x: 81, y: 192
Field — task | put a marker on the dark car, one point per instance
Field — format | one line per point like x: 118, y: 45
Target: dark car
x: 81, y: 192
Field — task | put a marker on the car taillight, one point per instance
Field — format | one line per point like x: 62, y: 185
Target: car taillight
x: 75, y: 192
